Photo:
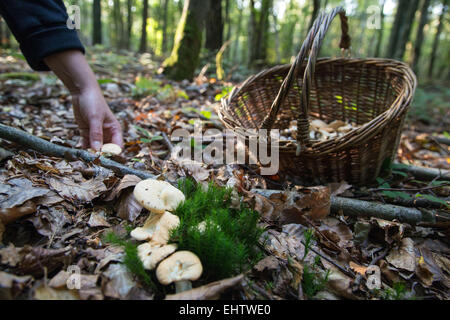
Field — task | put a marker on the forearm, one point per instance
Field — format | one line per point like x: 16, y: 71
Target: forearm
x: 73, y: 70
x: 40, y: 27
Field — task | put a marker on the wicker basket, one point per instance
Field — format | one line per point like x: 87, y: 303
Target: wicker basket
x: 373, y: 93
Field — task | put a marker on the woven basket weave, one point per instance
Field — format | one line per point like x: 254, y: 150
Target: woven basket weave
x: 373, y: 93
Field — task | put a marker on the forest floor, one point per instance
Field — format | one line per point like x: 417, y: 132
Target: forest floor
x: 70, y: 205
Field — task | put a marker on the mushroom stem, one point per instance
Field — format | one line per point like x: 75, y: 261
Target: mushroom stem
x: 183, y: 285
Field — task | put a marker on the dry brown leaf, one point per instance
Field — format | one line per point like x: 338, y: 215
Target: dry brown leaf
x: 78, y: 192
x: 98, y: 219
x: 127, y: 181
x: 403, y: 256
x: 17, y: 191
x: 46, y: 293
x: 358, y: 268
x: 128, y: 208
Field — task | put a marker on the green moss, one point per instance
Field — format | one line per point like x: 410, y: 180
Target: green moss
x: 131, y: 259
x: 313, y: 281
x: 228, y: 244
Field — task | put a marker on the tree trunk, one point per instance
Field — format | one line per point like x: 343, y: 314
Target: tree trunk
x: 164, y: 31
x: 401, y: 30
x: 238, y: 33
x: 259, y: 23
x: 129, y: 24
x: 97, y: 22
x: 316, y: 8
x: 227, y: 20
x: 380, y: 31
x: 118, y: 24
x: 188, y: 41
x: 214, y: 26
x: 436, y: 38
x: 143, y: 44
x: 419, y: 36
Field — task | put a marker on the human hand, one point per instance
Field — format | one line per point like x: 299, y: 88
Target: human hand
x: 95, y: 120
x: 97, y: 123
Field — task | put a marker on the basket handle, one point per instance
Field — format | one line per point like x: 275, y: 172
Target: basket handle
x: 310, y: 46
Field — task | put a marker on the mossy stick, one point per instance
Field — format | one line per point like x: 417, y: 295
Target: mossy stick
x: 50, y: 149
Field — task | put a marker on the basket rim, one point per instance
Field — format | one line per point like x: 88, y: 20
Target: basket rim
x: 354, y: 136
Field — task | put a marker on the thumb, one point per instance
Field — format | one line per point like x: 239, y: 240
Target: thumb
x: 96, y: 133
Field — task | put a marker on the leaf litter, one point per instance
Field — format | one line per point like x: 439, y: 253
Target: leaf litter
x: 55, y: 212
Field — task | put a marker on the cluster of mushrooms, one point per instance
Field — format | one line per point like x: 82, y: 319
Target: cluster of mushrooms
x: 160, y: 197
x: 178, y: 267
x: 320, y: 130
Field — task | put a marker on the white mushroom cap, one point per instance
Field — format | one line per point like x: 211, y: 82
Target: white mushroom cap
x: 111, y: 148
x: 157, y: 196
x: 156, y: 228
x: 150, y: 253
x: 180, y: 266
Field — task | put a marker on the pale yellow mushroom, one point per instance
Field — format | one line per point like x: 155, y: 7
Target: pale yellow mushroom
x: 181, y: 268
x: 158, y: 196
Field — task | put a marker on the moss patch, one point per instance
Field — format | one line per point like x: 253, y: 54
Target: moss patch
x: 227, y: 242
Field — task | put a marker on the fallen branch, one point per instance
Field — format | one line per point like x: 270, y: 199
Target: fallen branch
x: 359, y: 208
x: 426, y: 174
x: 50, y: 149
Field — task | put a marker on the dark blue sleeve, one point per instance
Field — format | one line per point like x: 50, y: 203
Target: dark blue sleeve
x: 40, y: 27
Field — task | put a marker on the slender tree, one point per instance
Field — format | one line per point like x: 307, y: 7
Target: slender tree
x: 97, y: 22
x: 419, y: 35
x: 214, y: 26
x: 118, y: 24
x: 436, y: 38
x: 164, y: 30
x: 130, y: 4
x: 143, y: 43
x: 401, y: 29
x: 380, y: 31
x: 188, y: 41
x: 315, y: 12
x: 259, y: 24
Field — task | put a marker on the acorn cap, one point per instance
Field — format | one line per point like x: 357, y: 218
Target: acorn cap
x: 151, y: 254
x: 111, y: 148
x: 157, y: 196
x: 180, y: 266
x: 156, y: 228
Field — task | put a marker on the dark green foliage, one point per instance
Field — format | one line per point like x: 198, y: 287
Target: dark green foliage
x: 131, y: 259
x: 313, y: 280
x: 228, y: 245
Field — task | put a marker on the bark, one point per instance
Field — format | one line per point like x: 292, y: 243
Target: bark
x: 426, y: 174
x: 259, y: 24
x: 118, y: 24
x: 97, y: 22
x: 164, y: 31
x: 419, y: 35
x: 50, y: 149
x: 188, y: 41
x: 436, y: 38
x: 380, y: 32
x: 214, y: 26
x: 143, y: 43
x: 315, y: 12
x: 359, y: 208
x: 227, y: 20
x: 129, y: 24
x: 401, y: 29
x: 236, y: 37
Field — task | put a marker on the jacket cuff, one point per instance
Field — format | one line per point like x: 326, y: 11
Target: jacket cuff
x: 44, y: 43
